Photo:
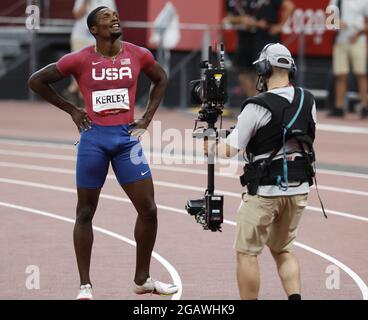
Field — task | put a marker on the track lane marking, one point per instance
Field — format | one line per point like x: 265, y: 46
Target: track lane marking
x: 356, y: 278
x: 158, y: 155
x: 172, y: 185
x: 166, y: 264
x: 176, y: 169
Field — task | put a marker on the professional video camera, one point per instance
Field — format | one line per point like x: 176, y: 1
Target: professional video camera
x: 210, y: 92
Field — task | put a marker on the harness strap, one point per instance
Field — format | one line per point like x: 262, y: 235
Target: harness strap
x: 286, y: 129
x: 314, y: 172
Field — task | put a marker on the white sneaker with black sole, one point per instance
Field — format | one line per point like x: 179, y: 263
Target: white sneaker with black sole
x: 85, y: 292
x: 156, y: 287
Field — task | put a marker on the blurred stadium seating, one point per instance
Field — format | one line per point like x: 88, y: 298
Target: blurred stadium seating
x: 312, y: 47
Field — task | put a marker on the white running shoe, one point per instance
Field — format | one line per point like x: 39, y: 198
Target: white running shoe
x: 85, y: 292
x: 156, y: 287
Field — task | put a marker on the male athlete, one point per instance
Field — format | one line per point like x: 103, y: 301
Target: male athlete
x: 107, y: 74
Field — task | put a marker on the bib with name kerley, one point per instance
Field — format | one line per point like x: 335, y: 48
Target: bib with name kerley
x: 110, y: 101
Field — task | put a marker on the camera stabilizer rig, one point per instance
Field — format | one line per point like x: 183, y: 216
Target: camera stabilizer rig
x: 210, y: 92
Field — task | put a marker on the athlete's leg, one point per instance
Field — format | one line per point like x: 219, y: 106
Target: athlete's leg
x: 134, y: 175
x: 141, y: 193
x: 83, y: 233
x: 92, y: 168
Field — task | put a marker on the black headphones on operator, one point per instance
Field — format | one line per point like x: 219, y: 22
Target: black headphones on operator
x: 264, y: 67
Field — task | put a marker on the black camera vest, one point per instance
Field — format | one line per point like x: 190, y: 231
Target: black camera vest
x: 269, y: 137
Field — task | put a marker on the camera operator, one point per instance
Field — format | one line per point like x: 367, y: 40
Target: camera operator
x: 276, y: 131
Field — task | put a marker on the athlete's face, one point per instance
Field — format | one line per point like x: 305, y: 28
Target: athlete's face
x: 107, y: 24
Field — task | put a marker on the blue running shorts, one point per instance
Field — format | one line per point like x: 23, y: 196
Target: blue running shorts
x: 101, y: 145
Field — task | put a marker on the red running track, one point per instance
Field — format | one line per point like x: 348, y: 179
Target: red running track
x: 37, y: 208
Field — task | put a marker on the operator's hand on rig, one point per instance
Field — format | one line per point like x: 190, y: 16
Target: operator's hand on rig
x: 209, y: 147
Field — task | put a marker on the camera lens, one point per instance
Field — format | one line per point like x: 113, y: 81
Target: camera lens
x: 195, y: 91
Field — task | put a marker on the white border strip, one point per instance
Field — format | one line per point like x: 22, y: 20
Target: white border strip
x: 167, y: 265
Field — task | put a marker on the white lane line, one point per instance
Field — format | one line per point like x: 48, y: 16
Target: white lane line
x: 170, y: 185
x: 362, y: 286
x: 26, y: 143
x: 237, y: 196
x: 342, y: 173
x: 36, y: 155
x: 36, y: 167
x: 166, y: 264
x: 341, y: 128
x: 342, y: 190
x: 153, y: 154
x: 358, y: 280
x: 232, y: 176
x: 320, y: 187
x: 173, y: 168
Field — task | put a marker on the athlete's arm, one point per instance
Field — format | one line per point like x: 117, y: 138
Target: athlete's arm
x: 159, y: 81
x: 40, y: 82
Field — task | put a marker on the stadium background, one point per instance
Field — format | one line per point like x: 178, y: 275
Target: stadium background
x: 305, y: 34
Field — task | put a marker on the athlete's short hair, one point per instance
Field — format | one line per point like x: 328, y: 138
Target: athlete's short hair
x: 91, y: 19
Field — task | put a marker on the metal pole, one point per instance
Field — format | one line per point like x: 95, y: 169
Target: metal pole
x: 211, y: 177
x: 211, y: 163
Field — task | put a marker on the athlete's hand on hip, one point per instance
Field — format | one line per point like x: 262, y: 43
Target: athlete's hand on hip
x: 81, y: 119
x: 138, y: 127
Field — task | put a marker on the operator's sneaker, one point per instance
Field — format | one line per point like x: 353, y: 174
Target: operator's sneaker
x: 156, y: 287
x: 85, y: 292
